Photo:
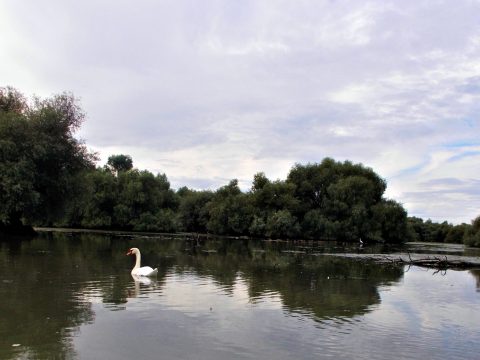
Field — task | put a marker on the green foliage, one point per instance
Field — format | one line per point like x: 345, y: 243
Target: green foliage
x: 98, y: 203
x: 118, y: 163
x: 229, y: 211
x: 348, y: 205
x: 392, y: 218
x: 39, y: 157
x: 167, y: 221
x: 257, y: 227
x: 274, y: 196
x: 132, y: 200
x: 430, y: 231
x: 476, y: 224
x: 12, y: 101
x: 456, y: 234
x: 472, y: 234
x: 333, y: 186
x: 145, y: 222
x: 343, y: 201
x: 473, y: 239
x: 315, y: 225
x: 282, y: 223
x: 259, y: 181
x: 193, y: 212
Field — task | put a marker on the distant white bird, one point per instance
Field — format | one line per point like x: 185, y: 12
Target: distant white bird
x: 361, y: 242
x: 140, y: 271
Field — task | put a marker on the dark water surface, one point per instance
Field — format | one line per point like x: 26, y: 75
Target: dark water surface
x: 71, y: 295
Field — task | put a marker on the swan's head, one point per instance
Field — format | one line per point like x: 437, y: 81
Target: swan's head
x: 132, y: 251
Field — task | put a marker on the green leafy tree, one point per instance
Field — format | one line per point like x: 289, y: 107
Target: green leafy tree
x: 314, y: 225
x: 192, y: 211
x: 229, y: 211
x: 267, y: 197
x: 456, y: 233
x: 141, y: 192
x: 430, y: 231
x: 392, y: 220
x: 282, y: 224
x: 167, y: 221
x: 416, y: 226
x: 312, y: 183
x: 336, y: 200
x: 259, y: 181
x: 100, y: 200
x: 39, y: 157
x: 118, y: 163
x: 257, y: 227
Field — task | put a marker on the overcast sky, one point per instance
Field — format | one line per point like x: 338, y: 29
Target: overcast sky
x: 207, y: 91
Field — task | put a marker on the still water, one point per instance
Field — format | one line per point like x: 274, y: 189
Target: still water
x: 71, y: 296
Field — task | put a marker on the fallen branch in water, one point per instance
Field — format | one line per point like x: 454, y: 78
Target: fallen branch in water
x: 436, y: 262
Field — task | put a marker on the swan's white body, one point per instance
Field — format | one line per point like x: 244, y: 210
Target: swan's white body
x: 140, y: 271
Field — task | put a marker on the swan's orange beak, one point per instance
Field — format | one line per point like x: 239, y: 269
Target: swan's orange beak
x: 129, y: 252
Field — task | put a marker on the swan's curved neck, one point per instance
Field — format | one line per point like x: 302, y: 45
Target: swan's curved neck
x: 137, y: 261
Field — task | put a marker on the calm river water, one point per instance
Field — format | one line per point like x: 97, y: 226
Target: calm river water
x: 70, y: 295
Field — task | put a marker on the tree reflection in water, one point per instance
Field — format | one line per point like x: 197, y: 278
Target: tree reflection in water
x: 476, y: 275
x: 42, y: 298
x: 48, y: 283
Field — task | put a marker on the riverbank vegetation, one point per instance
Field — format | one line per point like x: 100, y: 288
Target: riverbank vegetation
x: 49, y: 178
x: 331, y: 200
x: 429, y: 231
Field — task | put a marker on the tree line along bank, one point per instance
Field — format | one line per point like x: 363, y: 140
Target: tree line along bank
x: 49, y: 178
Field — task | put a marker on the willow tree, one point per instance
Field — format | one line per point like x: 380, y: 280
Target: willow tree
x: 40, y: 159
x: 344, y: 201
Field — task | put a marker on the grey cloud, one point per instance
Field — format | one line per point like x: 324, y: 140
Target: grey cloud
x: 446, y: 182
x: 444, y: 199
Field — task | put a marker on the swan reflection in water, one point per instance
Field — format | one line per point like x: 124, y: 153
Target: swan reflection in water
x: 142, y: 285
x: 143, y: 276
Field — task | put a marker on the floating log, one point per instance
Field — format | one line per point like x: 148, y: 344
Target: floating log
x: 436, y: 262
x: 443, y: 262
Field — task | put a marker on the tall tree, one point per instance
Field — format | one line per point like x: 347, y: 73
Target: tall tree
x: 39, y: 156
x: 336, y: 199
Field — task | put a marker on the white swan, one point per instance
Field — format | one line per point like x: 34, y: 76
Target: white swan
x: 140, y: 271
